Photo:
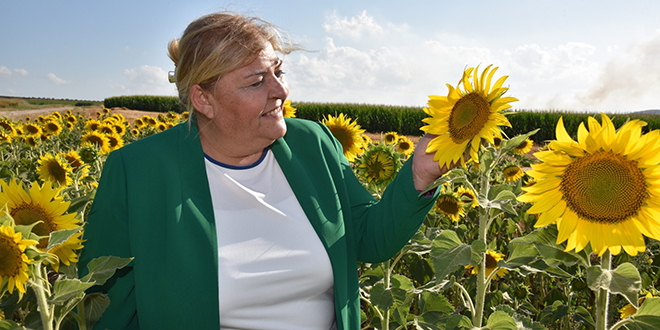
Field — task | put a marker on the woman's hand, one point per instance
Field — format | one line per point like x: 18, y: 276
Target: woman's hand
x: 424, y: 169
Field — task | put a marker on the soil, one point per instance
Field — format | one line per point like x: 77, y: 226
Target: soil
x: 130, y: 115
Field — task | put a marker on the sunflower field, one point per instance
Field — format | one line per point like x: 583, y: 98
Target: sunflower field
x: 523, y: 235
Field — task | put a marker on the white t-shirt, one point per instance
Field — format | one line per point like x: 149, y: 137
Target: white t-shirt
x: 274, y: 272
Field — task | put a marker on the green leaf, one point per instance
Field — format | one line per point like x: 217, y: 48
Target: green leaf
x: 644, y: 322
x: 501, y: 321
x: 624, y: 280
x: 61, y: 311
x: 583, y: 315
x: 433, y: 302
x: 10, y: 325
x: 95, y: 305
x: 447, y: 239
x: 381, y: 297
x: 650, y: 306
x: 477, y: 249
x: 102, y: 268
x: 402, y: 282
x: 58, y: 237
x: 507, y: 145
x: 449, y: 260
x: 65, y: 289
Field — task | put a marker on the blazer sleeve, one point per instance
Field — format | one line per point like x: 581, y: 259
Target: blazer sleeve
x: 383, y: 227
x: 107, y: 234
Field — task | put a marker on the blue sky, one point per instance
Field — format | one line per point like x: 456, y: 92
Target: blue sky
x: 565, y: 55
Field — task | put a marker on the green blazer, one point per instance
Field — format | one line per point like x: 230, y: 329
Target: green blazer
x: 153, y: 203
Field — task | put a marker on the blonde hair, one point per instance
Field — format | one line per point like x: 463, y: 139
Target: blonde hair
x: 218, y: 43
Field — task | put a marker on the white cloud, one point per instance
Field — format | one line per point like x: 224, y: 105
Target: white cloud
x: 21, y: 72
x: 56, y: 80
x: 354, y: 27
x: 4, y: 71
x: 146, y: 79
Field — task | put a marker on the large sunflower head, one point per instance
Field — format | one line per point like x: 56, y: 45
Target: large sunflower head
x: 289, y: 111
x: 92, y: 124
x: 348, y: 133
x: 52, y: 127
x: 44, y: 206
x: 601, y: 189
x: 7, y: 127
x: 13, y: 261
x: 470, y: 112
x: 379, y: 165
x: 55, y: 169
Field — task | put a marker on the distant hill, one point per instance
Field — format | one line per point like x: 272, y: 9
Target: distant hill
x: 649, y: 112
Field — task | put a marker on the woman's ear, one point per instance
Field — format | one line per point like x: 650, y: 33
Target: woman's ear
x: 200, y: 101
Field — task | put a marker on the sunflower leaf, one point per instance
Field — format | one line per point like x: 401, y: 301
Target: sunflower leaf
x: 501, y: 320
x: 448, y: 253
x: 583, y: 315
x: 95, y: 304
x: 650, y: 306
x: 508, y: 145
x: 66, y: 289
x: 102, y: 268
x: 624, y: 280
x: 58, y: 237
x: 644, y: 322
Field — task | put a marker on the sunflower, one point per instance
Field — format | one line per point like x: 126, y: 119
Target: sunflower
x: 44, y: 205
x: 115, y: 141
x: 92, y: 124
x: 466, y: 116
x: 512, y: 173
x: 97, y: 139
x: 8, y: 127
x: 31, y: 129
x: 492, y: 257
x: 106, y: 128
x: 630, y: 310
x: 405, y: 146
x: 4, y: 137
x: 289, y: 111
x: 348, y: 133
x: 135, y: 131
x: 73, y: 159
x: 173, y: 116
x: 497, y: 140
x: 52, y: 127
x: 391, y: 137
x: 378, y: 165
x: 55, y: 169
x: 449, y: 204
x: 601, y: 190
x: 32, y: 140
x: 151, y: 121
x: 524, y: 147
x: 13, y: 261
x: 467, y: 196
x: 138, y: 123
x: 89, y: 153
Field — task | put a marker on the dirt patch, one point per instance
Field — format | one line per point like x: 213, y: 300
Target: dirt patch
x: 87, y: 112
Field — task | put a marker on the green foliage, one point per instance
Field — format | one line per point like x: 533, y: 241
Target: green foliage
x: 146, y: 103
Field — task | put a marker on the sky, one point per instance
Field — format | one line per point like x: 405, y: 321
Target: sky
x: 567, y: 55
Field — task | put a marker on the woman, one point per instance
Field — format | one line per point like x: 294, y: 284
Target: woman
x: 241, y: 219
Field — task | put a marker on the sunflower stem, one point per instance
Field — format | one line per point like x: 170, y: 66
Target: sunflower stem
x: 603, y: 295
x: 42, y: 301
x: 478, y: 316
x: 387, y: 272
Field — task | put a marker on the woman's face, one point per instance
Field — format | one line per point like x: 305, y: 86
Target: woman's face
x: 248, y: 102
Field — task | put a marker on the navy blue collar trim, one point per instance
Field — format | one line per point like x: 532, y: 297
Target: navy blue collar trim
x: 233, y: 167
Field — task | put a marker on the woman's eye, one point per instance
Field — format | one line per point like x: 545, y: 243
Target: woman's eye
x: 257, y: 84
